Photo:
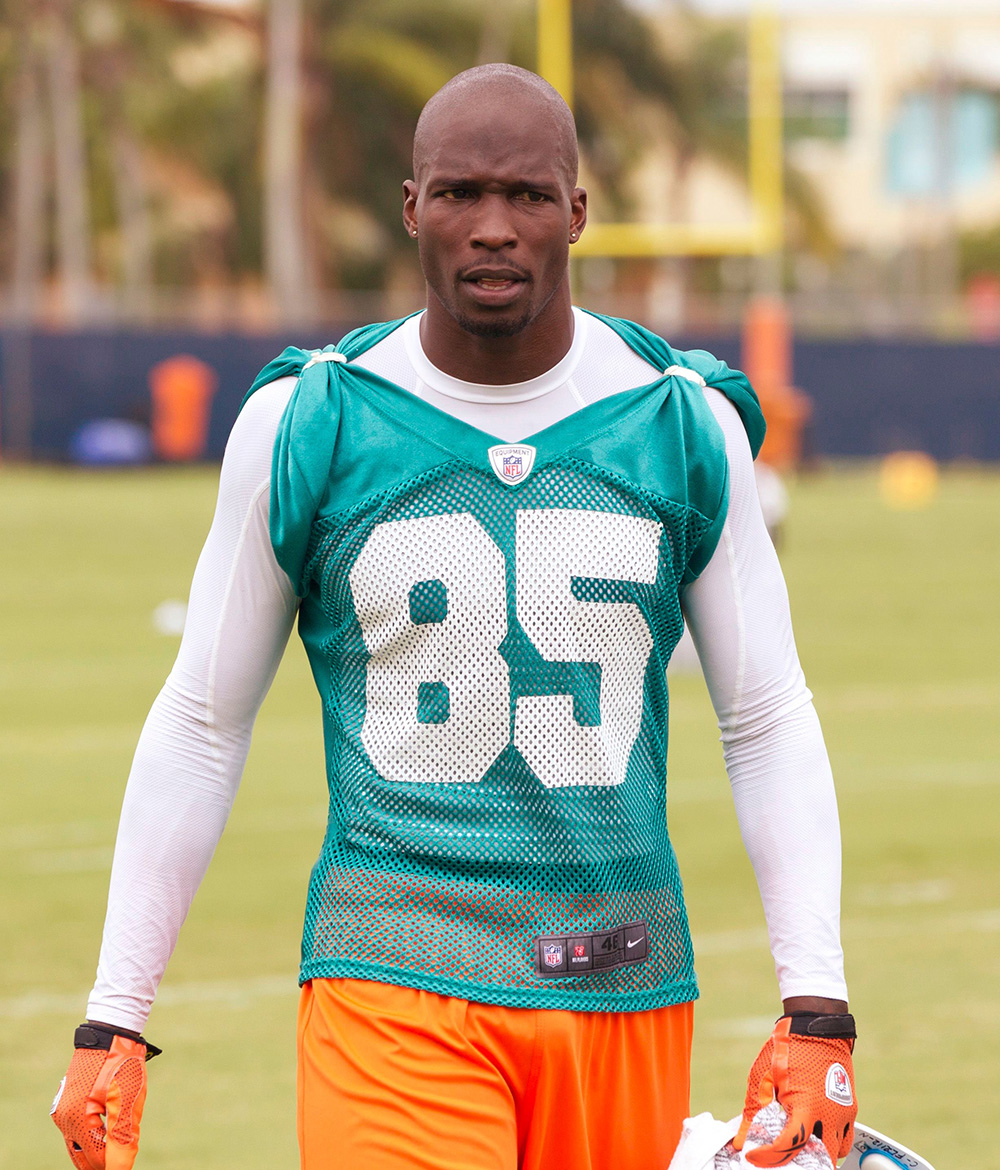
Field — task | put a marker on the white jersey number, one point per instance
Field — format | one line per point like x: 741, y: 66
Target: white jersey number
x: 553, y: 547
x: 461, y: 651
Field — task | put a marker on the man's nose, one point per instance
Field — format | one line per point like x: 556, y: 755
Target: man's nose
x: 493, y: 226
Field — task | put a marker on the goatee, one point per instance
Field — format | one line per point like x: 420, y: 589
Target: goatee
x: 497, y: 327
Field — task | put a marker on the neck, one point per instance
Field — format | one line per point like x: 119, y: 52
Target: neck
x: 499, y: 361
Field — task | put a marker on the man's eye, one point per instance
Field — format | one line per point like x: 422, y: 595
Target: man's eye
x: 531, y: 196
x: 455, y: 193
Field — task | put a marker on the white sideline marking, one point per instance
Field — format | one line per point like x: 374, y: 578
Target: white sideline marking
x: 944, y: 772
x: 95, y: 859
x: 905, y: 893
x: 870, y: 700
x: 741, y: 1027
x: 727, y: 942
x: 228, y: 993
x: 238, y: 994
x: 985, y: 921
x: 48, y: 836
x: 39, y: 844
x: 244, y: 993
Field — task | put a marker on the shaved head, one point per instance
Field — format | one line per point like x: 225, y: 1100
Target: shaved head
x: 482, y: 90
x: 494, y: 207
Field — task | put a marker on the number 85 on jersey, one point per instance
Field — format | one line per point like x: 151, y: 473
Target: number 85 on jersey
x: 458, y: 648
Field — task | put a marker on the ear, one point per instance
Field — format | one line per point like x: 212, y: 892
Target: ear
x: 410, y: 193
x: 578, y: 211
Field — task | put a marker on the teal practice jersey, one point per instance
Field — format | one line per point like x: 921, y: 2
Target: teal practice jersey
x: 489, y: 626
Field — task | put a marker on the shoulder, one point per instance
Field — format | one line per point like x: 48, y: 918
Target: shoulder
x: 393, y: 354
x: 251, y: 441
x: 607, y: 357
x: 700, y: 367
x: 262, y: 411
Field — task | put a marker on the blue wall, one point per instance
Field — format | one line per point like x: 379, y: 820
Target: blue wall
x: 870, y: 397
x: 873, y: 397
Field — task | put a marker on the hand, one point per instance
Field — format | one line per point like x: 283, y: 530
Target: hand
x: 807, y: 1065
x: 99, y: 1103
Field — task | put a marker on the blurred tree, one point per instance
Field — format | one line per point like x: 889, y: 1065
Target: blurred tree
x: 979, y: 252
x: 111, y: 68
x: 374, y: 64
x: 60, y: 53
x: 682, y: 80
x: 284, y: 246
x: 191, y: 97
x: 27, y: 184
x: 241, y: 147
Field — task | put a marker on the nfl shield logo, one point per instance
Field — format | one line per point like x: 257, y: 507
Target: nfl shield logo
x: 838, y: 1085
x: 552, y: 953
x: 512, y: 462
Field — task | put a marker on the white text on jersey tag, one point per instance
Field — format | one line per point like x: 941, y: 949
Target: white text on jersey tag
x: 512, y: 462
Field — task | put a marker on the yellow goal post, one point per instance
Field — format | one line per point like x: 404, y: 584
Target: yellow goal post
x: 763, y: 232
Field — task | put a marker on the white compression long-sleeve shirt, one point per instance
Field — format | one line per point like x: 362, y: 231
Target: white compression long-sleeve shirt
x: 191, y: 753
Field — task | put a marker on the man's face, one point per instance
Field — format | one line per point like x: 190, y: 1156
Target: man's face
x: 494, y: 206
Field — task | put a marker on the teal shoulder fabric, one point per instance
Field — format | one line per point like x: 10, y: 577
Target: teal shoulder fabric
x: 303, y: 450
x: 734, y: 384
x: 308, y: 433
x: 291, y: 360
x: 715, y: 373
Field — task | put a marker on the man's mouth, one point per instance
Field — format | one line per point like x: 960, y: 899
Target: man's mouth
x: 494, y: 279
x: 495, y: 282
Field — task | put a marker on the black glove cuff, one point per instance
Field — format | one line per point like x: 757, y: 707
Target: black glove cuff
x: 98, y: 1036
x: 817, y: 1024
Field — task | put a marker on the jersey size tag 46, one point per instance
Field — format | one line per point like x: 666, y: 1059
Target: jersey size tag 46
x: 512, y: 462
x: 589, y: 954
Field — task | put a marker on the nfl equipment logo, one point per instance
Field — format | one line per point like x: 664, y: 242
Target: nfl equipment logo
x: 579, y: 950
x: 552, y: 953
x: 838, y: 1085
x: 512, y: 462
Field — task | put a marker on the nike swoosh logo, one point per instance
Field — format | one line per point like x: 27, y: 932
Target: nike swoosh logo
x: 635, y: 942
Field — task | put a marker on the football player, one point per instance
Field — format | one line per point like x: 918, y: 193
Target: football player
x: 492, y: 519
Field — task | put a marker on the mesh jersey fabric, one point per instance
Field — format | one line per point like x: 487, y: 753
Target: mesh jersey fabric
x: 491, y: 661
x: 189, y: 759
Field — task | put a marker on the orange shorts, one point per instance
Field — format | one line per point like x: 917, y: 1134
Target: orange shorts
x: 396, y: 1079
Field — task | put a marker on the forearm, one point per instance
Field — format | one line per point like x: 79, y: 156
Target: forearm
x: 787, y: 812
x: 193, y: 747
x: 775, y: 755
x: 176, y: 804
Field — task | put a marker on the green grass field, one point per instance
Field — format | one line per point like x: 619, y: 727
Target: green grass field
x: 898, y: 628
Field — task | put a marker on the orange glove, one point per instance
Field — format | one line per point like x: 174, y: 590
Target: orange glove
x: 807, y: 1065
x: 99, y: 1103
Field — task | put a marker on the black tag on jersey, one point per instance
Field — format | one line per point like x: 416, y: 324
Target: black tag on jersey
x: 586, y: 954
